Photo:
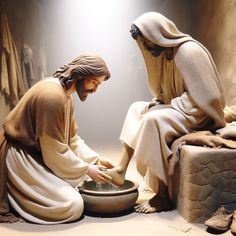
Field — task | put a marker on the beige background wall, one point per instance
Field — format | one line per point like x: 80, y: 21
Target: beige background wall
x: 215, y: 27
x: 70, y: 27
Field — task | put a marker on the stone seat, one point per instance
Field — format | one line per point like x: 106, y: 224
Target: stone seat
x: 204, y: 179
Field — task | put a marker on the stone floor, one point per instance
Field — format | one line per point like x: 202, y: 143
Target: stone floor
x: 163, y: 224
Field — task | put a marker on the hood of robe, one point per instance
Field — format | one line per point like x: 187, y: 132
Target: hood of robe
x: 163, y: 32
x: 160, y: 30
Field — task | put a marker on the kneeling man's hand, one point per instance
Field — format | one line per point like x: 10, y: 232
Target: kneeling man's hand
x: 95, y: 172
x: 105, y: 163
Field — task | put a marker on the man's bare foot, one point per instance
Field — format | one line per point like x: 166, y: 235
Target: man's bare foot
x: 156, y: 204
x: 117, y: 174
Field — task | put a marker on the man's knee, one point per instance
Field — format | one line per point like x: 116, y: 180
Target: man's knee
x: 157, y: 117
x: 75, y: 206
x: 150, y: 118
x: 137, y: 106
x: 71, y: 207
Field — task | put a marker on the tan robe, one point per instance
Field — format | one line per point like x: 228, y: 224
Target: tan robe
x: 45, y: 158
x: 190, y: 85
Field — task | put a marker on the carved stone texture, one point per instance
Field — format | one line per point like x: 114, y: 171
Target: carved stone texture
x: 204, y: 180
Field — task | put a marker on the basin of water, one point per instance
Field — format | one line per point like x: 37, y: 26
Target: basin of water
x: 108, y: 198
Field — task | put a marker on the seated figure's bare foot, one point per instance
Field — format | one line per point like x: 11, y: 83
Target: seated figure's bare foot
x: 156, y: 204
x: 117, y: 174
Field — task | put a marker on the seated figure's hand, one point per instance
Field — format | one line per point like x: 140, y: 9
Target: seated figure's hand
x: 228, y: 132
x: 95, y: 172
x: 105, y: 163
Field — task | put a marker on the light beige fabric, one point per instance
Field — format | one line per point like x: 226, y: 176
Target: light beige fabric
x: 64, y: 162
x: 151, y: 135
x: 189, y: 84
x: 230, y: 113
x: 55, y: 177
x: 36, y: 193
x: 228, y: 132
x: 82, y: 150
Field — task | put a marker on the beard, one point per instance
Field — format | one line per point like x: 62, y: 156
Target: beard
x: 82, y: 93
x: 156, y: 51
x: 83, y: 97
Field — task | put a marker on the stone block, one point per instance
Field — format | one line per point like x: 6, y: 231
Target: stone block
x: 204, y: 179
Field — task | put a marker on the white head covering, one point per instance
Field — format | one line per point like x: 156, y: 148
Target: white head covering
x: 160, y: 30
x: 191, y: 69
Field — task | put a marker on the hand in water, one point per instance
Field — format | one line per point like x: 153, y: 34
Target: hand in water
x: 95, y: 172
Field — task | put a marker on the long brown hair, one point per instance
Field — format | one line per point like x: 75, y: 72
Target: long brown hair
x: 84, y: 66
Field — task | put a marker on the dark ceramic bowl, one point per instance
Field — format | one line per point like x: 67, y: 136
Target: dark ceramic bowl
x: 107, y: 198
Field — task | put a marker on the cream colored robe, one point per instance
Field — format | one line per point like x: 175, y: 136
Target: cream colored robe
x: 189, y: 84
x: 45, y: 162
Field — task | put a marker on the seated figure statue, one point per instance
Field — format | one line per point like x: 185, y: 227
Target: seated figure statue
x: 187, y: 96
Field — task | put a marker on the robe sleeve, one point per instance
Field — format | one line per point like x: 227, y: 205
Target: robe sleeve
x: 82, y: 150
x: 77, y: 145
x: 201, y: 80
x: 62, y: 161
